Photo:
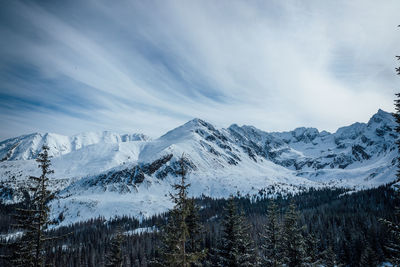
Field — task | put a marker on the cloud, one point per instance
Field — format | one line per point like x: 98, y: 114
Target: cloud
x: 129, y: 66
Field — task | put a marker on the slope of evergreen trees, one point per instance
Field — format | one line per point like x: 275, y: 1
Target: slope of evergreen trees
x: 339, y: 227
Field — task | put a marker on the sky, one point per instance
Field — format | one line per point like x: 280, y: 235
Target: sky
x: 148, y: 66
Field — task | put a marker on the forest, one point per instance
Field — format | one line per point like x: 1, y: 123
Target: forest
x: 332, y: 227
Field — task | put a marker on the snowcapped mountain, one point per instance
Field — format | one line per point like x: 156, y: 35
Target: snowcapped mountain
x: 106, y: 174
x: 27, y: 147
x: 73, y: 157
x: 361, y: 154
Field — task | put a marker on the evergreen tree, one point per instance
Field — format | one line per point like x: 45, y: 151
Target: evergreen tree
x: 313, y: 255
x: 236, y: 248
x: 293, y: 247
x: 369, y: 257
x: 271, y: 255
x: 397, y: 118
x: 176, y: 233
x: 393, y: 245
x: 23, y: 248
x: 329, y: 257
x: 34, y: 220
x: 114, y: 257
x: 195, y: 229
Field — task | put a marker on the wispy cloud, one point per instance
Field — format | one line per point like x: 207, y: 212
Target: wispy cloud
x: 148, y: 66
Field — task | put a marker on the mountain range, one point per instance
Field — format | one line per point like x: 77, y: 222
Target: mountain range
x: 109, y: 174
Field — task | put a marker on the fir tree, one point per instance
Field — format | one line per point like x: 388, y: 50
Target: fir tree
x: 271, y: 255
x: 115, y: 257
x: 195, y: 229
x: 313, y: 255
x: 293, y: 247
x: 329, y: 257
x: 397, y: 118
x: 33, y: 220
x: 236, y: 248
x: 23, y: 248
x: 369, y: 257
x: 176, y: 234
x: 393, y: 245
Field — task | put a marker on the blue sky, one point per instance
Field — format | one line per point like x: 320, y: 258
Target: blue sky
x: 148, y: 66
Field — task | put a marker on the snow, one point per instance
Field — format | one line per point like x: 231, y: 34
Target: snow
x: 10, y: 236
x: 141, y: 230
x: 28, y: 146
x: 85, y: 205
x: 225, y: 161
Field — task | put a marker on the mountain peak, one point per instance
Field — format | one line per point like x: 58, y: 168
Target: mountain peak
x: 380, y: 116
x: 305, y: 134
x: 199, y: 122
x: 187, y: 128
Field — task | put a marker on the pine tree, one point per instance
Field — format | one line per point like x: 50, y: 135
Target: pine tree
x: 23, y: 248
x: 195, y: 229
x: 293, y: 247
x: 397, y: 118
x: 329, y: 257
x: 176, y: 250
x: 115, y: 257
x: 236, y: 248
x: 393, y: 245
x: 369, y: 257
x: 313, y: 255
x: 34, y: 220
x: 271, y: 255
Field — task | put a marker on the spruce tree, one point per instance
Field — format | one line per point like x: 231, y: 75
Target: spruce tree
x: 271, y: 255
x: 329, y: 257
x: 195, y: 229
x: 34, y: 219
x: 293, y: 247
x: 397, y: 118
x: 236, y: 248
x: 313, y: 255
x: 176, y: 250
x: 393, y: 245
x: 369, y: 257
x: 114, y: 256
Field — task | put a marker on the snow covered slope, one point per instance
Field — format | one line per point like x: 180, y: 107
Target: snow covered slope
x: 106, y: 174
